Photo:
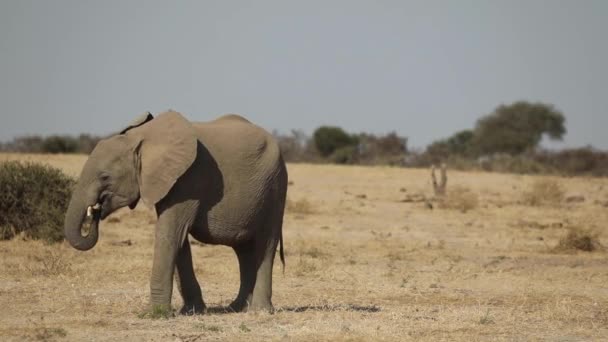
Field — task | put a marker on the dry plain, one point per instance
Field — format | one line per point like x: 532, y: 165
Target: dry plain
x: 366, y: 260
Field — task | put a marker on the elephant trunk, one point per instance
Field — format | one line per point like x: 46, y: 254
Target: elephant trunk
x: 74, y: 220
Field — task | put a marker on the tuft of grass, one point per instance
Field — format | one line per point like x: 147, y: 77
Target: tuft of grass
x: 395, y: 256
x: 50, y: 334
x: 211, y: 328
x: 301, y: 206
x: 244, y: 328
x: 49, y: 264
x: 33, y: 201
x: 157, y: 312
x: 304, y: 267
x: 113, y: 220
x: 486, y: 319
x: 313, y: 252
x: 543, y: 191
x: 459, y: 198
x: 579, y: 239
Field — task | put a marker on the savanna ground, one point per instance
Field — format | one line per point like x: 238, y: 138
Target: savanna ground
x: 367, y: 259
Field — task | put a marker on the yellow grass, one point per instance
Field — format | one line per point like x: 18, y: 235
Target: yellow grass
x: 361, y: 265
x: 459, y: 198
x: 544, y: 191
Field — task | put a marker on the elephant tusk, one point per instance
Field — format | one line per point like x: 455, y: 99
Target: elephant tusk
x: 90, y: 209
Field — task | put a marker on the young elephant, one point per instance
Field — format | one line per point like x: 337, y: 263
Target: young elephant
x: 222, y: 181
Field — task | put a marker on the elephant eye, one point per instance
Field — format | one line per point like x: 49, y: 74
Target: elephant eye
x: 104, y: 177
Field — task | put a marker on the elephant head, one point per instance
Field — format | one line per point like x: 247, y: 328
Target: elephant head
x: 143, y: 161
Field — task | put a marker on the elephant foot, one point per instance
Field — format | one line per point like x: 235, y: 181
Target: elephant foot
x: 239, y: 305
x: 193, y: 309
x: 157, y: 311
x: 261, y: 306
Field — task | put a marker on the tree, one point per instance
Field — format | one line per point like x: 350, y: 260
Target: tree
x: 517, y: 128
x: 461, y: 143
x: 296, y: 147
x: 86, y: 143
x: 328, y: 139
x: 60, y: 144
x: 382, y: 149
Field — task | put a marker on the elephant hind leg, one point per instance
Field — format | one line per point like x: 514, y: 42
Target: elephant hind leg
x: 187, y: 284
x: 262, y: 291
x: 266, y: 247
x: 247, y: 268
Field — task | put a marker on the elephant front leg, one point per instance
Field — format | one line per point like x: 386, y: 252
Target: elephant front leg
x: 161, y: 280
x: 167, y: 245
x: 187, y: 284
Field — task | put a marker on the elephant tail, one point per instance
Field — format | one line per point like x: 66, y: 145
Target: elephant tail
x: 281, y: 254
x: 283, y: 194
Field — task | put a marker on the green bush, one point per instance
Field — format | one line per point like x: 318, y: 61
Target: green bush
x: 33, y: 201
x: 344, y: 155
x: 329, y: 139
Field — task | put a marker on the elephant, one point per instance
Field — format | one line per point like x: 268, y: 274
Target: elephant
x: 223, y: 182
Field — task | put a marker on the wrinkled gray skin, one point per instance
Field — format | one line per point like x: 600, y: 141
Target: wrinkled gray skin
x: 223, y: 181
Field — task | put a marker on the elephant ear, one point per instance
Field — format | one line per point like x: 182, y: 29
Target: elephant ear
x: 167, y: 150
x: 142, y: 119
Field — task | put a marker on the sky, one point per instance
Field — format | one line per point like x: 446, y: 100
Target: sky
x: 424, y: 69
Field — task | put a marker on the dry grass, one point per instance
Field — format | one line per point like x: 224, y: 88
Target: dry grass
x: 459, y: 198
x: 301, y: 207
x: 360, y: 269
x: 579, y: 239
x: 48, y: 264
x: 544, y: 191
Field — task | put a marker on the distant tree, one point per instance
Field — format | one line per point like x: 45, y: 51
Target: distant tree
x: 296, y: 147
x: 86, y: 143
x: 461, y: 144
x: 60, y: 144
x: 328, y: 139
x: 382, y: 149
x: 517, y: 128
x: 31, y: 144
x: 392, y: 144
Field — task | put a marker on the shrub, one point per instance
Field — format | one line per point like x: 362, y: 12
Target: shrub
x: 60, y: 144
x: 301, y: 206
x: 344, y: 155
x: 328, y: 139
x: 84, y: 143
x: 389, y: 149
x: 576, y: 161
x: 459, y: 198
x: 514, y: 164
x: 33, y: 201
x: 543, y: 192
x: 579, y: 239
x: 31, y: 144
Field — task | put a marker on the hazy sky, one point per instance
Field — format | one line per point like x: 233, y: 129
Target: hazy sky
x: 422, y: 68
